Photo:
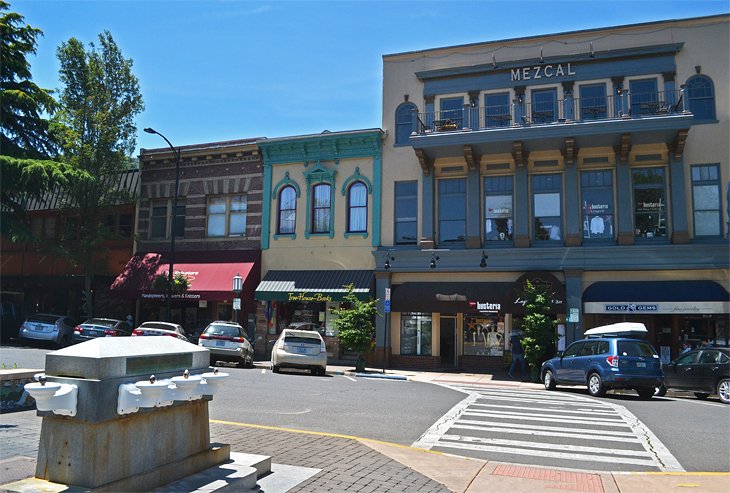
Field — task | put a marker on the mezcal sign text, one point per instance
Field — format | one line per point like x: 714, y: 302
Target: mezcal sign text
x: 540, y: 71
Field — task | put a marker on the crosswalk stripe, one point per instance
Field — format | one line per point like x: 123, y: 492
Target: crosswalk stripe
x: 618, y: 422
x: 547, y: 446
x: 562, y: 411
x: 545, y: 428
x: 523, y: 417
x: 554, y: 455
x: 529, y: 431
x: 541, y: 400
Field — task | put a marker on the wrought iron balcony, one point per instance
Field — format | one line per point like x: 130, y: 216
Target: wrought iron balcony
x: 557, y: 112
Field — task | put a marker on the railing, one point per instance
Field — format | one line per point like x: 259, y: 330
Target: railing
x: 568, y: 110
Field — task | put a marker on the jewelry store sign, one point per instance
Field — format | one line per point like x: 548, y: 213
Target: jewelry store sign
x: 661, y: 307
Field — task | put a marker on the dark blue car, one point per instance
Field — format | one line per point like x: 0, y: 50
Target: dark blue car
x: 606, y: 363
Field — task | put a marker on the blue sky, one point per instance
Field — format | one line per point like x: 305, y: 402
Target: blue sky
x: 221, y: 70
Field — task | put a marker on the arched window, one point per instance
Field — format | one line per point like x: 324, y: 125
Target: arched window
x: 357, y: 208
x: 701, y: 97
x: 321, y: 208
x: 287, y: 211
x: 405, y: 122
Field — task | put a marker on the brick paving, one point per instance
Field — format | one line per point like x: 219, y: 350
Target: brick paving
x: 346, y: 464
x: 566, y: 480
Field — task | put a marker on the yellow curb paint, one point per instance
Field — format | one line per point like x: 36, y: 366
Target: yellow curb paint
x: 688, y: 485
x: 677, y: 473
x: 324, y: 434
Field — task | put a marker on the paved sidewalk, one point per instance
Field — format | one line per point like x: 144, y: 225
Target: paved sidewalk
x: 350, y: 464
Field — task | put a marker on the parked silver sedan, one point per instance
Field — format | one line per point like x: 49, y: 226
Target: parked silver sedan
x: 101, y: 327
x: 46, y: 327
x: 161, y: 329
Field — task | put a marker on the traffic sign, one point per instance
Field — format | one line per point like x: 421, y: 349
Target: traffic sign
x: 387, y: 306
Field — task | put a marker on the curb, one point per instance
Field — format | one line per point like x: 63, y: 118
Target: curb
x: 377, y: 375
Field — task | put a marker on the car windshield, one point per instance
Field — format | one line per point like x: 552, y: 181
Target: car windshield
x: 99, y: 321
x: 223, y: 330
x: 635, y: 348
x: 43, y: 319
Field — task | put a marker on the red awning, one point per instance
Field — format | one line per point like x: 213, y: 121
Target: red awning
x: 208, y: 281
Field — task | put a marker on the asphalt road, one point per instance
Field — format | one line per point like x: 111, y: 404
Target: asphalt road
x: 696, y: 433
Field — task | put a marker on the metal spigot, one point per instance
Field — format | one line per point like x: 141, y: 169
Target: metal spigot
x: 152, y: 379
x: 215, y: 371
x: 186, y: 374
x: 42, y: 379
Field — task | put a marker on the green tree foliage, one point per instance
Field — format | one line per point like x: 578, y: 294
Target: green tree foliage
x: 24, y: 133
x: 97, y: 134
x: 539, y: 335
x: 355, y: 329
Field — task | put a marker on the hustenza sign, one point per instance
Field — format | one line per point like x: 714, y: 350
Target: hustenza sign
x: 542, y: 71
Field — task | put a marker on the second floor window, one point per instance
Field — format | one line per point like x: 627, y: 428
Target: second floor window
x: 498, y: 213
x: 650, y: 203
x: 593, y: 102
x: 227, y: 216
x: 706, y: 200
x: 451, y: 114
x: 644, y: 97
x: 596, y: 191
x: 547, y: 207
x: 405, y: 122
x: 496, y: 110
x: 357, y: 208
x: 701, y: 97
x: 452, y: 210
x: 406, y: 212
x: 544, y: 106
x: 160, y: 218
x: 321, y: 208
x: 287, y: 211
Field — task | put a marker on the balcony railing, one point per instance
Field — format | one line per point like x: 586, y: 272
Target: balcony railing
x: 558, y: 111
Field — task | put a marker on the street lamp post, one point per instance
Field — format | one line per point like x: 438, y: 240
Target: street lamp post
x: 172, y: 225
x: 237, y: 288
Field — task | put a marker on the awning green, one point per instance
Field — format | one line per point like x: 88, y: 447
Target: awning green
x: 315, y: 285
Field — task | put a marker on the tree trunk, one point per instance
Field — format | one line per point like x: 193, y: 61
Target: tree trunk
x: 360, y: 363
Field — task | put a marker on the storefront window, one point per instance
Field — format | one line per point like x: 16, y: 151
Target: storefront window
x: 706, y: 200
x: 415, y: 334
x: 650, y: 204
x: 483, y: 335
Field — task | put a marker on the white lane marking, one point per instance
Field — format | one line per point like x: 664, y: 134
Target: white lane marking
x: 530, y: 426
x: 650, y: 441
x: 525, y: 417
x: 548, y: 446
x: 530, y: 431
x: 263, y: 371
x: 533, y: 400
x: 561, y: 411
x: 432, y: 436
x: 349, y: 378
x: 554, y: 455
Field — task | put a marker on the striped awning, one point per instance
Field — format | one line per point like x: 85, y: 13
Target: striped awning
x: 314, y: 285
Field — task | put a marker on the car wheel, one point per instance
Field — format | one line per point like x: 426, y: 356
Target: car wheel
x: 275, y: 368
x: 548, y: 380
x: 646, y: 393
x: 595, y: 385
x: 660, y: 391
x: 65, y: 341
x: 702, y: 395
x: 723, y: 390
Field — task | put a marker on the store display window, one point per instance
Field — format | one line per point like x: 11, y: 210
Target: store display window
x: 415, y: 334
x: 483, y: 335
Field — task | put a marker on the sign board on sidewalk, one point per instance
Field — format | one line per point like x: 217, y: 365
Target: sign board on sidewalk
x: 387, y: 294
x: 574, y: 316
x: 387, y: 306
x: 236, y: 303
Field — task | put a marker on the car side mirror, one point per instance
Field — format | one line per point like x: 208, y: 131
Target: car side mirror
x: 560, y: 354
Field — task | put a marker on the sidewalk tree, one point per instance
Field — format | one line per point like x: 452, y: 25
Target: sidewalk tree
x: 539, y: 336
x: 95, y: 128
x: 27, y: 146
x: 355, y: 329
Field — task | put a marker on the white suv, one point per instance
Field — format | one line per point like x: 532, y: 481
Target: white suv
x: 227, y: 341
x: 299, y: 349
